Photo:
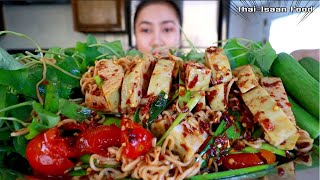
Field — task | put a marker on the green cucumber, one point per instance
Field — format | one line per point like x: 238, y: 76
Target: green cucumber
x: 311, y: 65
x: 297, y: 82
x: 305, y: 120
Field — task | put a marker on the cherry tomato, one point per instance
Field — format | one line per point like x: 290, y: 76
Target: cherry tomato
x: 268, y: 156
x: 48, y: 153
x: 97, y: 139
x: 138, y: 140
x: 237, y: 161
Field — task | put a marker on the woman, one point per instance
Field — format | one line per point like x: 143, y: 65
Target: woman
x: 156, y: 26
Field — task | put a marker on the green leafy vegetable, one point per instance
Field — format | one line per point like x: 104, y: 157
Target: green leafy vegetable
x: 98, y: 80
x: 73, y: 110
x: 112, y: 49
x: 234, y: 131
x: 157, y: 107
x: 221, y: 128
x: 136, y: 116
x: 242, y: 51
x: 8, y: 174
x: 79, y: 172
x: 8, y: 62
x: 42, y: 122
x: 112, y: 120
x: 133, y: 53
x: 52, y: 98
x: 193, y: 55
x: 85, y: 158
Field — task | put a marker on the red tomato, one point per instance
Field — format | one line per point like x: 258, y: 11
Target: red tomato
x: 98, y: 139
x: 138, y: 140
x: 48, y: 153
x: 236, y: 161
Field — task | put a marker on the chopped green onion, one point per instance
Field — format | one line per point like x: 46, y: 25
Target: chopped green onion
x: 112, y: 120
x: 79, y: 172
x: 85, y: 158
x: 230, y: 173
x: 98, y: 80
x: 191, y: 104
x: 267, y: 147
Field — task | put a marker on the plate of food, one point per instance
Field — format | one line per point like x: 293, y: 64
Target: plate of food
x: 96, y: 111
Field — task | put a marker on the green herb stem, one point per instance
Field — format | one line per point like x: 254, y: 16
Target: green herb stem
x: 240, y: 55
x: 191, y: 104
x: 14, y: 119
x: 188, y: 40
x: 23, y: 36
x: 79, y: 56
x: 27, y: 103
x: 102, y: 55
x: 59, y: 68
x: 54, y: 53
x: 267, y: 147
x: 106, y: 46
x: 32, y: 55
x: 230, y: 173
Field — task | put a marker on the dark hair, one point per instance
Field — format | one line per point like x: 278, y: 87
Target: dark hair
x: 145, y: 3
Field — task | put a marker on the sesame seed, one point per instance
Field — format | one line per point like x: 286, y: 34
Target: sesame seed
x: 231, y: 161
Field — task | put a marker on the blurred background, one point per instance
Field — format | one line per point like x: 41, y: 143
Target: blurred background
x: 64, y: 22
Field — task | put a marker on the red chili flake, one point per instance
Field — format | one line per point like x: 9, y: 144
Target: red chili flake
x: 184, y: 146
x: 95, y: 105
x: 203, y: 126
x: 283, y: 143
x: 263, y: 100
x: 211, y: 95
x: 265, y: 84
x: 257, y: 116
x: 267, y: 124
x: 238, y: 145
x: 128, y: 101
x: 182, y: 93
x: 186, y: 130
x: 213, y: 49
x: 281, y: 171
x: 193, y: 82
x: 243, y: 83
x: 216, y: 67
x: 278, y: 104
x: 45, y: 82
x: 302, y: 145
x: 305, y: 158
x: 288, y: 104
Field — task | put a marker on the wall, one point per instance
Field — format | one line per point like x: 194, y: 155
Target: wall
x: 49, y: 25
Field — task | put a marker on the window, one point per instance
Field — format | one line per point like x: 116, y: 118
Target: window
x: 287, y: 34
